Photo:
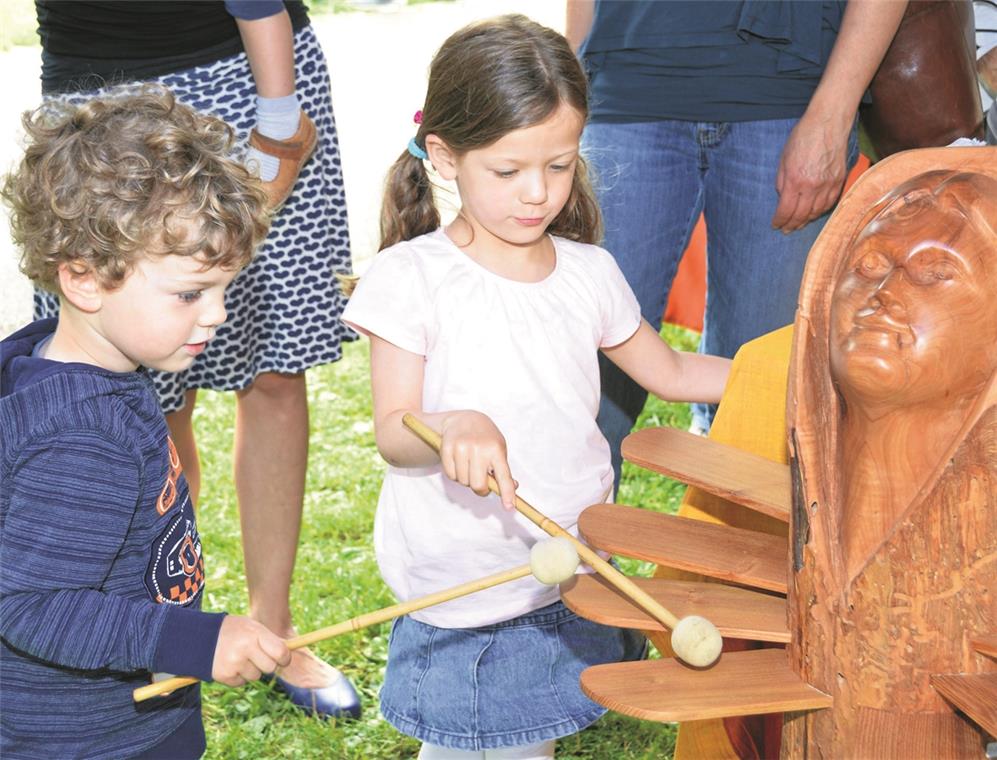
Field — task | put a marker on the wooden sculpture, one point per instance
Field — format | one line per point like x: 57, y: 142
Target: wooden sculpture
x: 895, y: 435
x: 891, y: 566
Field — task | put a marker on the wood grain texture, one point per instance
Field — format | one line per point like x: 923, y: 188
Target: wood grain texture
x: 893, y: 429
x: 736, y: 612
x: 975, y: 695
x: 738, y: 476
x: 740, y: 683
x: 985, y: 644
x: 718, y: 551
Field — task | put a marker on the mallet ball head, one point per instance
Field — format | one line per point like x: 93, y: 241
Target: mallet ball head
x: 553, y: 560
x: 696, y: 641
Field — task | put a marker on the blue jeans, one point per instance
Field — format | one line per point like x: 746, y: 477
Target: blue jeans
x: 653, y: 180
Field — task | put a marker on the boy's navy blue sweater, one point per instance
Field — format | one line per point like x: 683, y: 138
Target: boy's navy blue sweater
x: 101, y: 574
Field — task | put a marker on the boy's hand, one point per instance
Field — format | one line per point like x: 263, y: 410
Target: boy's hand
x: 472, y: 449
x: 245, y: 650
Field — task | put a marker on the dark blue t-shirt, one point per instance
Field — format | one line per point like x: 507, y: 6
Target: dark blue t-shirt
x: 707, y: 60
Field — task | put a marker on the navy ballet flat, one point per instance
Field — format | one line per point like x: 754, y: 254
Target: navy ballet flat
x: 338, y: 700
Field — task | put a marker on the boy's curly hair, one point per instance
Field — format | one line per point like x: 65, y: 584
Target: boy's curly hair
x: 129, y: 174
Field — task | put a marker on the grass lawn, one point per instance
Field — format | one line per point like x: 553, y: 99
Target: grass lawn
x: 336, y: 578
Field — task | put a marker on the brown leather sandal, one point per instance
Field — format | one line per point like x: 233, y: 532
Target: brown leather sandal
x: 293, y: 153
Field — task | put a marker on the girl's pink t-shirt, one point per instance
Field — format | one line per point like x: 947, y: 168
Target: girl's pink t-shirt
x: 525, y: 354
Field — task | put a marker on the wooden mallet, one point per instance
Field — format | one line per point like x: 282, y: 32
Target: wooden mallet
x: 549, y: 562
x: 694, y: 639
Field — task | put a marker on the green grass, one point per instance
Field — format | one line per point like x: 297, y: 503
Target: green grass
x: 336, y: 578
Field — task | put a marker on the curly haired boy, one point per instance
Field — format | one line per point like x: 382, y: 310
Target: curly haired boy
x: 128, y: 208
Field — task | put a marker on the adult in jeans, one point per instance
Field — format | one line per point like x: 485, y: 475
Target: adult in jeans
x: 742, y: 110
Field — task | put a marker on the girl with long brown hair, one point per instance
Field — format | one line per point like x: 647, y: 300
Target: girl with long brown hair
x: 494, y: 322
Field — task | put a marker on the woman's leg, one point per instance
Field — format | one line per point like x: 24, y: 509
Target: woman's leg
x: 181, y: 427
x: 271, y: 456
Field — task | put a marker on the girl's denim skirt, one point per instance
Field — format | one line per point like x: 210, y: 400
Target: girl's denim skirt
x: 503, y: 685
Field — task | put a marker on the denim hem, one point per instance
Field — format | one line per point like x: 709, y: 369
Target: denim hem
x: 475, y: 742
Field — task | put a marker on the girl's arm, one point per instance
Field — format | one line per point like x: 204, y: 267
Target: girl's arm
x: 669, y: 374
x: 472, y: 446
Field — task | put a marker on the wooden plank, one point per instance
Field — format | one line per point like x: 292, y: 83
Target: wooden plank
x: 736, y: 612
x: 719, y: 551
x: 740, y: 683
x: 985, y: 644
x: 974, y: 694
x: 728, y: 472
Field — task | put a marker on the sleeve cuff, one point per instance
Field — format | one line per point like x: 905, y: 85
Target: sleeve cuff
x: 251, y: 10
x: 187, y: 642
x: 390, y: 333
x: 622, y: 335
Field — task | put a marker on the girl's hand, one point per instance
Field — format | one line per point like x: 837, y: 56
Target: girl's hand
x: 472, y: 449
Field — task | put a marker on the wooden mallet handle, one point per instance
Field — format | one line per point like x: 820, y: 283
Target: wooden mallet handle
x: 355, y: 624
x: 623, y: 584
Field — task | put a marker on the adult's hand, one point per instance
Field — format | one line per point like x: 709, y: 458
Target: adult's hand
x: 811, y: 172
x: 812, y: 168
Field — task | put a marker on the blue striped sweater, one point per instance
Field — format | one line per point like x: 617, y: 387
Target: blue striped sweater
x: 101, y: 573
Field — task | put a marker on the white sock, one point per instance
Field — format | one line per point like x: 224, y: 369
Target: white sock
x: 541, y: 751
x: 277, y: 118
x: 435, y: 752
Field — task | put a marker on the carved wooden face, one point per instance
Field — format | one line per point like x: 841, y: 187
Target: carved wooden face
x: 914, y: 313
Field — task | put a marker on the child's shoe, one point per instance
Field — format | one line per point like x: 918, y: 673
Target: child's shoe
x: 293, y: 153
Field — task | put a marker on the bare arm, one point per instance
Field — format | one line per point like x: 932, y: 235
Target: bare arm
x: 669, y: 374
x: 813, y: 165
x: 578, y: 21
x: 269, y: 44
x: 472, y: 446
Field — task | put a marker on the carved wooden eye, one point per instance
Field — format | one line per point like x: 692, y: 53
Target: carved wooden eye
x: 931, y: 267
x: 874, y: 265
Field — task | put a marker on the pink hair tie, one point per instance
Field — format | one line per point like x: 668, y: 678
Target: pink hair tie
x: 417, y: 118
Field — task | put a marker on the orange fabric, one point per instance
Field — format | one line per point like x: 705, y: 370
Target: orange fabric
x: 687, y: 298
x: 860, y: 166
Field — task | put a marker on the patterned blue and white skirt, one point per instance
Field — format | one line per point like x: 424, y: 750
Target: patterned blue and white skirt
x: 284, y: 308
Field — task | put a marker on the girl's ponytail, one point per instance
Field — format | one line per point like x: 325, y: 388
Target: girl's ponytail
x: 408, y: 209
x: 580, y: 219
